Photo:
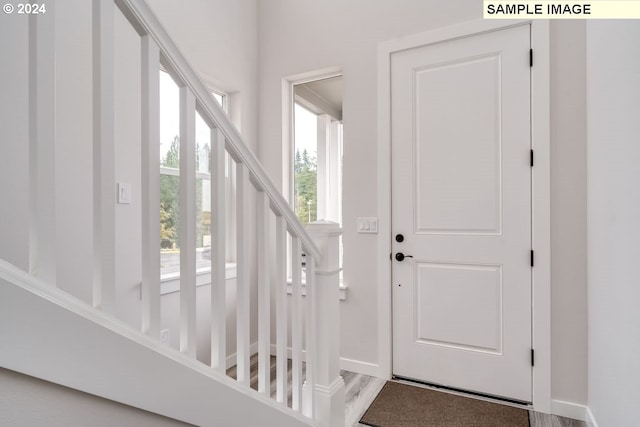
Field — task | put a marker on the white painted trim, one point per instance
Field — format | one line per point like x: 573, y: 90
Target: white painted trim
x: 572, y: 410
x: 104, y: 191
x: 287, y: 120
x: 150, y: 185
x: 385, y: 337
x: 171, y: 283
x: 359, y: 367
x: 296, y: 325
x: 590, y: 419
x: 541, y: 215
x: 351, y: 365
x: 343, y: 289
x: 541, y: 192
x: 217, y: 276
x: 264, y: 293
x: 281, y: 311
x: 42, y: 147
x: 243, y: 284
x: 187, y: 204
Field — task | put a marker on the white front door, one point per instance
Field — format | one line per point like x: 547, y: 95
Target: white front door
x: 461, y: 199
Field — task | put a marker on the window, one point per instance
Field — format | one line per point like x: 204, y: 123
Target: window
x: 170, y: 188
x: 222, y: 100
x: 317, y: 151
x: 316, y: 190
x: 305, y: 164
x: 169, y: 177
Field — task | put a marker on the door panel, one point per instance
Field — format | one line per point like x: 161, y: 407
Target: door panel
x: 449, y: 185
x: 461, y: 195
x: 447, y: 294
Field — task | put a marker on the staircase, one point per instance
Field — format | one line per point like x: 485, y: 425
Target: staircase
x: 50, y: 334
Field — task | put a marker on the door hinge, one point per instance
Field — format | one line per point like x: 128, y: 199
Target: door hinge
x: 531, y: 257
x: 531, y: 158
x: 530, y: 57
x: 533, y: 357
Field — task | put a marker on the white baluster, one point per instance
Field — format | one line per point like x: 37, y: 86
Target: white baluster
x: 281, y: 309
x: 329, y: 389
x: 264, y: 296
x: 296, y: 325
x: 42, y: 197
x: 218, y: 281
x: 187, y: 222
x: 150, y: 187
x: 311, y: 336
x: 243, y: 286
x: 104, y: 185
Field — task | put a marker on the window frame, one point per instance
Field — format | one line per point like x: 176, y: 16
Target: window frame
x: 170, y: 282
x: 336, y: 163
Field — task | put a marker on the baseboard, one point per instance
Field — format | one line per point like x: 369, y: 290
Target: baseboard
x: 359, y: 367
x: 569, y: 410
x: 590, y: 419
x: 232, y: 359
x: 351, y: 365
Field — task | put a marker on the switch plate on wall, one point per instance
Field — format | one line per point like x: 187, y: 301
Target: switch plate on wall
x: 367, y: 225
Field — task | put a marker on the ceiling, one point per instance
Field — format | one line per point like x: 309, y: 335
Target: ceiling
x: 324, y: 95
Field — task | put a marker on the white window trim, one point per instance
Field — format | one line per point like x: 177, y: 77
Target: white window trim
x: 225, y: 98
x: 288, y: 99
x: 171, y: 282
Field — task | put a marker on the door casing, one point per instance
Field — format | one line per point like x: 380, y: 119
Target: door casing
x: 541, y: 224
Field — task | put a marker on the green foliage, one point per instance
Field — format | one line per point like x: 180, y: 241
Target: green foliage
x: 306, y: 188
x: 170, y: 201
x: 172, y: 159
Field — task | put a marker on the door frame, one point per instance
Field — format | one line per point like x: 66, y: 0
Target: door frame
x: 540, y: 192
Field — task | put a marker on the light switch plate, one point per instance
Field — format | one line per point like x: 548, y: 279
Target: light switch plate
x: 368, y: 225
x: 124, y: 193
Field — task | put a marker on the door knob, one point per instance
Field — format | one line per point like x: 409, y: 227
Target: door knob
x: 400, y: 256
x: 399, y: 238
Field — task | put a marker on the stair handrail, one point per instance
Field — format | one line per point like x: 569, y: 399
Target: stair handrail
x: 145, y: 22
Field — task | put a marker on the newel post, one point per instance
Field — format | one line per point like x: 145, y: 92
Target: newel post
x: 329, y: 385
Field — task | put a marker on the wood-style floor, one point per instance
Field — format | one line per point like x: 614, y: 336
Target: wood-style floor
x: 361, y: 390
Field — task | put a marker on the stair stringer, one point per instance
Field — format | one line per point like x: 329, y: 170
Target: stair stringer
x: 49, y: 334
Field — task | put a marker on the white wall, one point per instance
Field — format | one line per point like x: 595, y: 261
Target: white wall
x: 568, y: 213
x: 613, y: 156
x: 27, y: 401
x: 170, y: 319
x: 14, y: 141
x: 297, y: 37
x: 220, y: 40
